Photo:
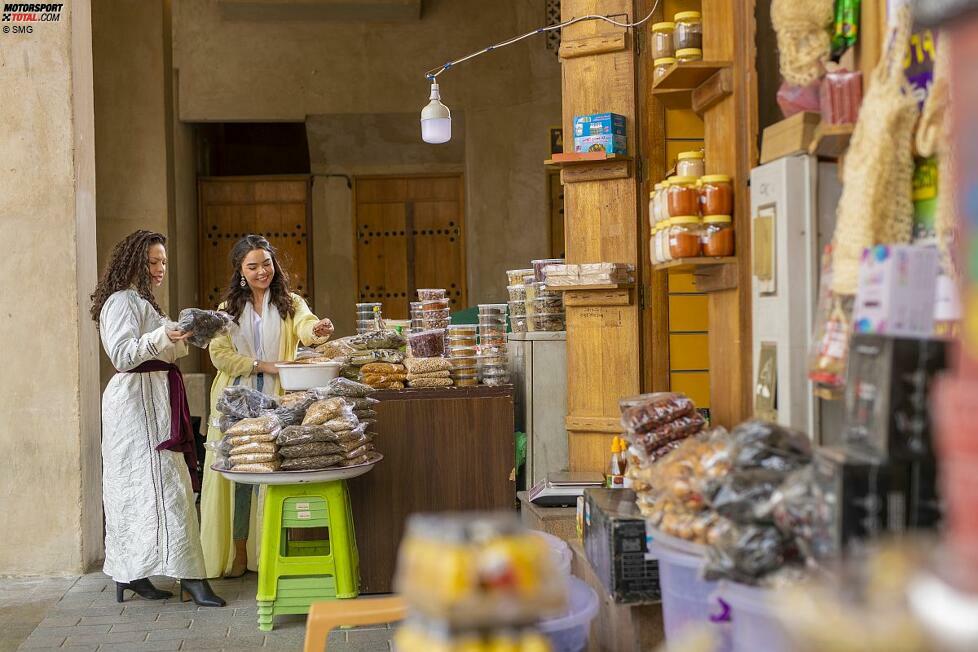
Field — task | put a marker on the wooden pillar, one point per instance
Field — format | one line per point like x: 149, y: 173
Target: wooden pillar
x: 602, y: 225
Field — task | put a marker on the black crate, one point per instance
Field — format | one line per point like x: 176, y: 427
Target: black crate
x: 615, y: 545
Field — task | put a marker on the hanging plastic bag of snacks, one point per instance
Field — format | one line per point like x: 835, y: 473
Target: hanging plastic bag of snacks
x: 829, y: 354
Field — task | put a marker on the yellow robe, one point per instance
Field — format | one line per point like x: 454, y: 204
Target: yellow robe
x: 217, y: 493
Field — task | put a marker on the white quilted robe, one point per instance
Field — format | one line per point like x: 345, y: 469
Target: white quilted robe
x: 151, y: 524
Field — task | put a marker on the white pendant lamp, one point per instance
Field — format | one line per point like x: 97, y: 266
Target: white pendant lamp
x: 436, y: 119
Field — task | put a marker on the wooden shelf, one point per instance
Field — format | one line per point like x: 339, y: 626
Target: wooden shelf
x: 586, y: 158
x: 586, y: 288
x: 591, y: 166
x: 697, y: 85
x: 831, y: 141
x: 690, y: 264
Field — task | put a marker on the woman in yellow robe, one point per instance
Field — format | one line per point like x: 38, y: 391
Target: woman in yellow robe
x: 271, y: 323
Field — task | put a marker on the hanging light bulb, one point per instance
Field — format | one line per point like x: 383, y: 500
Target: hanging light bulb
x: 436, y: 119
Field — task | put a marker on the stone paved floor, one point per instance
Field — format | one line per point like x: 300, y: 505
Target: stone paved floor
x: 80, y: 613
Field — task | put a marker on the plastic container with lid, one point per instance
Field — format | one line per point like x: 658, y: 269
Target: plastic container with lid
x: 664, y: 253
x: 540, y: 265
x: 655, y: 252
x: 548, y: 304
x: 518, y: 324
x: 569, y: 632
x: 688, y: 55
x: 517, y: 308
x: 663, y: 45
x: 516, y: 292
x: 754, y: 624
x: 427, y: 344
x: 717, y: 235
x: 688, y: 600
x: 435, y: 305
x: 662, y: 201
x: 462, y: 330
x: 683, y: 197
x: 652, y: 205
x: 688, y: 31
x: 685, y: 239
x: 430, y: 294
x: 716, y: 195
x: 493, y: 309
x: 542, y: 322
x: 691, y: 164
x: 516, y: 276
x: 661, y: 66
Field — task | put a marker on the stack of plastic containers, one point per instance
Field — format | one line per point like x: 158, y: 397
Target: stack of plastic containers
x: 435, y: 311
x: 544, y: 307
x: 493, y: 344
x: 463, y: 351
x: 517, y: 299
x: 478, y: 582
x: 417, y: 323
x: 368, y: 317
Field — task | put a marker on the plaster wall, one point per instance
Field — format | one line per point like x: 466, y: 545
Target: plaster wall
x: 50, y: 499
x: 282, y: 69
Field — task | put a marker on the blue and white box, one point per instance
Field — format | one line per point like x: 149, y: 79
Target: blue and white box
x: 600, y: 132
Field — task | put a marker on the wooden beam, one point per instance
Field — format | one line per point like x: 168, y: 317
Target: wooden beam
x: 710, y: 92
x: 608, y: 425
x: 577, y: 298
x: 716, y: 278
x: 594, y: 45
x: 597, y: 171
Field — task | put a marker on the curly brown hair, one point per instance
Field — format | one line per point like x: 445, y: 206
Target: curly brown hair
x: 128, y: 267
x: 236, y: 296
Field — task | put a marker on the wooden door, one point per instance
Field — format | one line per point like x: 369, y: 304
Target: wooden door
x: 409, y: 236
x: 233, y: 207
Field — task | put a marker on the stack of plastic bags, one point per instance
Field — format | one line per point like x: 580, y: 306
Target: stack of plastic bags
x: 383, y: 375
x: 429, y: 372
x: 321, y: 428
x: 358, y: 350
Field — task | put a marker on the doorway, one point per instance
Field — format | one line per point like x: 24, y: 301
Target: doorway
x: 410, y: 235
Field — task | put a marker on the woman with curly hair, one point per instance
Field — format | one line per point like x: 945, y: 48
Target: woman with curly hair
x: 148, y: 455
x: 272, y: 322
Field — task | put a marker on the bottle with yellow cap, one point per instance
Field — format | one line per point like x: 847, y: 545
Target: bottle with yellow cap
x: 616, y: 470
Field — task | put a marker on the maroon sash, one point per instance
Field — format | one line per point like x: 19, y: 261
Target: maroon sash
x: 181, y: 431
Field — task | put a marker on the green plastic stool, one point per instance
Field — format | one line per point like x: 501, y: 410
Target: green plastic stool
x: 294, y: 574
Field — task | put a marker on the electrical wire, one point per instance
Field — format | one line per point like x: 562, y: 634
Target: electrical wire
x: 434, y: 72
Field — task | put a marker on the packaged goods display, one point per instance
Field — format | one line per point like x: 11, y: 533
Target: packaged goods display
x: 322, y: 411
x: 427, y: 365
x: 540, y: 266
x: 691, y: 164
x: 203, y: 325
x: 255, y: 426
x: 427, y: 343
x: 430, y: 294
x: 841, y: 96
x: 718, y: 235
x: 516, y: 276
x: 688, y: 30
x: 297, y: 435
x: 369, y: 317
x: 519, y: 324
x: 602, y: 132
x: 363, y: 358
x: 477, y: 571
x: 547, y: 322
x: 432, y: 374
x: 243, y: 402
x: 662, y: 40
x: 517, y: 293
x: 517, y: 308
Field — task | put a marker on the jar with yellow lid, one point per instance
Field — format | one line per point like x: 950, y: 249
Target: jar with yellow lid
x: 717, y: 235
x: 688, y: 31
x: 660, y: 67
x: 662, y: 203
x: 687, y: 55
x: 685, y: 237
x: 662, y: 241
x: 716, y: 194
x: 691, y: 164
x: 683, y: 197
x: 663, y: 45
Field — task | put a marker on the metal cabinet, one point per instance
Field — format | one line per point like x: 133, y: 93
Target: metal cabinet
x: 539, y: 371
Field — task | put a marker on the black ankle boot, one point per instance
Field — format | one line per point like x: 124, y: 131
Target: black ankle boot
x: 143, y: 588
x: 200, y: 592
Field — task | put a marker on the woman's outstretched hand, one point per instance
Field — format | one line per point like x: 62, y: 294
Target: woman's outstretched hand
x: 178, y: 336
x: 323, y: 328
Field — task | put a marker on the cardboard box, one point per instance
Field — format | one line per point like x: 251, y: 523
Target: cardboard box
x: 601, y: 132
x: 897, y: 291
x: 792, y: 135
x: 617, y: 547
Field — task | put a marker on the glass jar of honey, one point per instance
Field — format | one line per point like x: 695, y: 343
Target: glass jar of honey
x: 691, y: 164
x: 688, y: 30
x: 662, y: 41
x: 660, y: 67
x: 685, y: 239
x: 717, y: 235
x: 716, y: 195
x: 683, y: 197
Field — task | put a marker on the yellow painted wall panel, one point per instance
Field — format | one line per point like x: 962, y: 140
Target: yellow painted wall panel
x: 689, y: 352
x: 683, y: 124
x: 673, y: 7
x: 688, y: 313
x: 695, y: 385
x: 681, y: 283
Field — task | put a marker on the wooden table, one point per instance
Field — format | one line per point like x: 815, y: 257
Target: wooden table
x: 444, y: 450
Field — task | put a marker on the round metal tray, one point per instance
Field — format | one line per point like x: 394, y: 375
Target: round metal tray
x: 299, y: 477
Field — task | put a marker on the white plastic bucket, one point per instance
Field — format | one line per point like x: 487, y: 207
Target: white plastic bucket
x: 753, y: 624
x: 687, y: 599
x: 569, y: 632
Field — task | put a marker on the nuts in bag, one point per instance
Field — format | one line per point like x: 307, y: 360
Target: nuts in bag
x: 266, y: 424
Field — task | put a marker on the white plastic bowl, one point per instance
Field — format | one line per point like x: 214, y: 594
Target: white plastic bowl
x: 560, y: 551
x: 569, y: 632
x: 298, y: 377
